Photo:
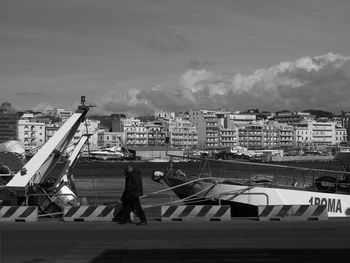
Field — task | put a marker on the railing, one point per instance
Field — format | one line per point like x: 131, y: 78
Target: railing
x: 235, y: 194
x: 271, y: 175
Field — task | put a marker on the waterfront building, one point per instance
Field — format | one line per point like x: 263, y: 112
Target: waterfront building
x: 63, y: 114
x: 319, y: 134
x: 31, y: 133
x: 8, y: 123
x: 117, y: 122
x: 90, y: 127
x: 341, y: 135
x: 271, y: 136
x: 229, y: 137
x: 156, y: 134
x: 109, y: 139
x: 345, y: 120
x: 139, y: 133
x: 239, y: 119
x: 323, y: 133
x: 302, y: 134
x: 135, y: 133
x: 292, y: 118
x: 206, y: 122
x: 164, y: 115
x: 286, y: 136
x: 265, y: 135
x: 51, y: 129
x: 182, y: 134
x: 251, y: 136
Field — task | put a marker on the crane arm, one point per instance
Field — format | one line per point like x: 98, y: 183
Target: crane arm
x: 38, y: 167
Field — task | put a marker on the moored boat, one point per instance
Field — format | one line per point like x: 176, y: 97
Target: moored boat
x: 112, y: 153
x: 246, y: 185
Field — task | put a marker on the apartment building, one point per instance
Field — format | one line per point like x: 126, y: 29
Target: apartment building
x: 90, y: 127
x: 286, y: 136
x: 345, y: 120
x: 51, y: 129
x: 182, y: 134
x: 135, y: 133
x: 292, y: 118
x: 251, y: 136
x: 229, y: 137
x: 319, y: 133
x: 266, y: 135
x: 271, y: 137
x: 239, y: 119
x: 156, y: 135
x: 31, y: 133
x: 108, y: 139
x: 8, y: 123
x: 206, y: 122
x: 63, y: 114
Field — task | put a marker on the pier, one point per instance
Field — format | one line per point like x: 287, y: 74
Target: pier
x: 240, y: 240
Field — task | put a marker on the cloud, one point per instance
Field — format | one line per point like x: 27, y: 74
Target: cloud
x: 29, y: 93
x: 321, y: 82
x: 169, y: 43
x: 43, y: 107
x: 200, y: 64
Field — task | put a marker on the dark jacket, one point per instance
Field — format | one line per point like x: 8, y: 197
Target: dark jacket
x: 133, y: 185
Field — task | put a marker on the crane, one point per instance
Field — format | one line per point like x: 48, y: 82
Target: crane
x: 34, y: 179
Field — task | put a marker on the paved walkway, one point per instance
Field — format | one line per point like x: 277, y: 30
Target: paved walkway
x: 241, y: 240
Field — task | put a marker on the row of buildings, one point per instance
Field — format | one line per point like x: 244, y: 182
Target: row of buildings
x: 201, y: 129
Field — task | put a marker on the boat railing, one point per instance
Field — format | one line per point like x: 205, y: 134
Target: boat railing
x: 230, y: 193
x: 271, y: 175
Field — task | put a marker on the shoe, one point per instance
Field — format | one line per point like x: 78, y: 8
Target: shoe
x: 142, y: 223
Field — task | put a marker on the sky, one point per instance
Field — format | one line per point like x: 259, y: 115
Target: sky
x: 147, y: 55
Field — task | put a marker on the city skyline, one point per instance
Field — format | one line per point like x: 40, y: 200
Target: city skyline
x: 175, y: 55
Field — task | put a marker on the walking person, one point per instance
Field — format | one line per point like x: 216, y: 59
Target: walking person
x: 132, y: 192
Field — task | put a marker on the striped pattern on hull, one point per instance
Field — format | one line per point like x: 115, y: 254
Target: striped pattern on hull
x: 88, y: 213
x: 196, y: 213
x: 18, y: 214
x: 292, y: 212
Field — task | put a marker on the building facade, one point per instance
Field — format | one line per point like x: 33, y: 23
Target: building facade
x: 109, y: 139
x: 31, y: 133
x: 292, y: 118
x: 8, y: 123
x: 182, y: 134
x: 207, y: 126
x: 319, y: 134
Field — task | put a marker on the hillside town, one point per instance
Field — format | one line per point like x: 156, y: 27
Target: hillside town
x: 203, y: 131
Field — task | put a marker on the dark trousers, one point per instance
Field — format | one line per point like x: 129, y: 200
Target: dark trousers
x: 132, y: 204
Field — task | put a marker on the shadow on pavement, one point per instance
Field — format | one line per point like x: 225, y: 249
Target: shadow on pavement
x: 224, y: 255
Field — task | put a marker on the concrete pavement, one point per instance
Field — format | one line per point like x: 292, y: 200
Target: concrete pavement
x: 241, y: 240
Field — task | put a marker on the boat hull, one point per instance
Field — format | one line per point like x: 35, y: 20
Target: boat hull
x: 107, y: 156
x: 338, y: 205
x: 244, y: 199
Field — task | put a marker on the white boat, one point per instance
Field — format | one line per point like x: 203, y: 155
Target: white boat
x: 246, y: 185
x: 158, y: 160
x: 112, y: 153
